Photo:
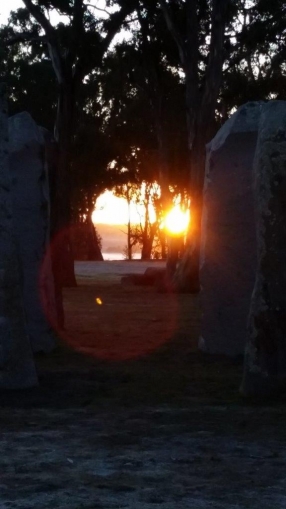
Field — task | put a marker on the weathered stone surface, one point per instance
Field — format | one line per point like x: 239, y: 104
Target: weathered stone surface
x: 265, y: 359
x: 228, y: 234
x: 17, y: 368
x: 30, y: 195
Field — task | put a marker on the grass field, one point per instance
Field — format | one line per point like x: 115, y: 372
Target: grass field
x: 129, y: 414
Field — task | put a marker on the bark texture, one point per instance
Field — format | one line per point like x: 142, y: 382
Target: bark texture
x: 17, y: 369
x: 265, y: 357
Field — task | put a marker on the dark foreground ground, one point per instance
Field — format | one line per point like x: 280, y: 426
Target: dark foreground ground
x: 129, y: 415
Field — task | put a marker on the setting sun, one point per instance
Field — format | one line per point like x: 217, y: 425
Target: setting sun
x: 177, y: 220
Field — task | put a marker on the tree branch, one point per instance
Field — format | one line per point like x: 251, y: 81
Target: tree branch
x: 25, y: 36
x: 84, y: 66
x: 216, y: 57
x: 191, y: 69
x: 115, y: 24
x: 192, y: 43
x: 77, y: 32
x: 40, y: 17
x: 153, y: 90
x: 98, y: 9
x: 52, y: 41
x: 174, y: 32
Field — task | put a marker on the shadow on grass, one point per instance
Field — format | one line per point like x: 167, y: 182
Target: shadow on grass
x: 170, y: 376
x: 175, y: 374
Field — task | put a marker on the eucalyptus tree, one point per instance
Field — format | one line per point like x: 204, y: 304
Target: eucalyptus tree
x: 230, y: 52
x: 144, y: 94
x: 200, y: 41
x: 217, y: 42
x: 159, y: 79
x: 76, y: 46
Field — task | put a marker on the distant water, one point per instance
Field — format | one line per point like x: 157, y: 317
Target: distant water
x: 119, y: 256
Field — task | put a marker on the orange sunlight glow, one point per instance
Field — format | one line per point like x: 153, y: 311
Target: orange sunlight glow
x: 177, y: 220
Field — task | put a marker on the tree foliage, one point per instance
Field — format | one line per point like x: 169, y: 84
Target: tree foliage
x: 159, y: 93
x: 255, y: 69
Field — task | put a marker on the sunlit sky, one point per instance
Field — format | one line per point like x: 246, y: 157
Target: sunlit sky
x: 6, y: 7
x: 113, y: 210
x: 10, y: 5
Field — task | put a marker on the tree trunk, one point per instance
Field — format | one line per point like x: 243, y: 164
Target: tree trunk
x: 155, y: 93
x: 129, y: 243
x: 146, y: 249
x: 17, y: 369
x: 172, y: 260
x: 186, y: 278
x: 148, y: 240
x: 63, y: 260
x: 93, y: 250
x: 51, y: 155
x: 163, y: 156
x: 163, y: 242
x: 200, y: 109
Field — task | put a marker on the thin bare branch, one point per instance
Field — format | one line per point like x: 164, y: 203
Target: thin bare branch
x: 98, y: 9
x: 51, y: 35
x: 216, y: 56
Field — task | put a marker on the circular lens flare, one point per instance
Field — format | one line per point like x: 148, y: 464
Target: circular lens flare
x: 106, y: 325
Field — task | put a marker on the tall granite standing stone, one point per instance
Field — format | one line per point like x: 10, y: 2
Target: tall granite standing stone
x: 228, y: 234
x: 30, y: 194
x: 17, y: 368
x: 265, y: 358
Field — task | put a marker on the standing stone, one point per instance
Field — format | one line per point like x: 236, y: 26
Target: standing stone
x: 228, y: 234
x: 265, y: 358
x: 30, y: 194
x: 17, y: 368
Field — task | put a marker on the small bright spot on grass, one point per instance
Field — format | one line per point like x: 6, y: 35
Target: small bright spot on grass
x: 98, y: 301
x: 177, y: 220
